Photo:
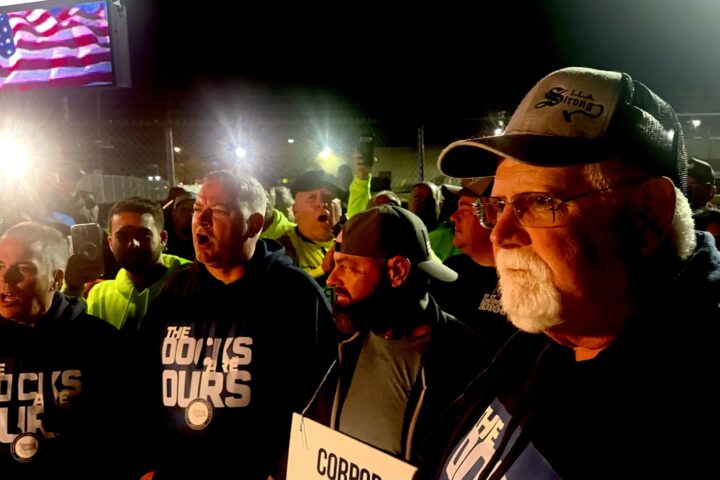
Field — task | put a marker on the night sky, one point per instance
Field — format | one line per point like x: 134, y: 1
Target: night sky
x: 437, y: 61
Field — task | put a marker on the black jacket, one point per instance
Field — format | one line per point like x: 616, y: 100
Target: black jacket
x: 228, y: 364
x: 455, y: 355
x: 474, y: 299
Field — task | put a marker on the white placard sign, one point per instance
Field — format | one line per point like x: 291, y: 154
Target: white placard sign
x: 321, y: 453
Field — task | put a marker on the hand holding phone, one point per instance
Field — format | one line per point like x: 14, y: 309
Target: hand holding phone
x: 366, y: 148
x: 87, y: 240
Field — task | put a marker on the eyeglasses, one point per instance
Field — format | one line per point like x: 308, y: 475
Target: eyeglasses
x: 533, y: 209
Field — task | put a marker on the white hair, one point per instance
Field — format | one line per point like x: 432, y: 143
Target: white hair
x: 52, y: 246
x: 604, y: 174
x: 683, y: 227
x: 244, y: 188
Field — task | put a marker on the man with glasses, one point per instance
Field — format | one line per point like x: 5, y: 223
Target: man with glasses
x: 611, y: 374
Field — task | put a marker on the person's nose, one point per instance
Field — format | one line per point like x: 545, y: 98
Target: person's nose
x: 11, y: 276
x: 508, y: 232
x: 333, y: 279
x: 455, y: 216
x: 204, y: 217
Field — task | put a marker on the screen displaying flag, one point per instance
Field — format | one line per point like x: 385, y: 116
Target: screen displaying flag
x: 57, y: 47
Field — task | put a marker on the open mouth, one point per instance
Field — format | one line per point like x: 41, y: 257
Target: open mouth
x: 342, y: 297
x: 324, y: 218
x: 202, y: 239
x: 7, y: 298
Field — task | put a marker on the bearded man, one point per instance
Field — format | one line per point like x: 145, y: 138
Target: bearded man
x: 137, y: 239
x: 611, y: 375
x: 406, y: 360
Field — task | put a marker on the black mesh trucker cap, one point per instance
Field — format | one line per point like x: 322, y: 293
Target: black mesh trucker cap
x: 576, y: 116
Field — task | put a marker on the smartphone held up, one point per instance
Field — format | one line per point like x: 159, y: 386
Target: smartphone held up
x: 87, y: 240
x: 366, y: 148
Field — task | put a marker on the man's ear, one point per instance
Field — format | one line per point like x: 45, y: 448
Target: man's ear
x: 57, y: 282
x: 398, y: 270
x: 652, y: 207
x: 110, y: 243
x: 255, y: 224
x: 163, y: 237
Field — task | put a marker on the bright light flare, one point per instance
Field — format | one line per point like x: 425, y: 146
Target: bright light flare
x: 240, y: 152
x: 326, y: 153
x: 14, y: 159
x: 695, y: 122
x: 328, y: 161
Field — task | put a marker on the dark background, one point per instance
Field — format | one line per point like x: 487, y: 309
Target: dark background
x: 436, y: 60
x: 222, y: 74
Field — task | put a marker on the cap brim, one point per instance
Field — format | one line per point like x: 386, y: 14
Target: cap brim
x: 308, y: 186
x: 451, y: 189
x: 336, y: 189
x: 478, y: 157
x: 437, y: 270
x: 477, y: 187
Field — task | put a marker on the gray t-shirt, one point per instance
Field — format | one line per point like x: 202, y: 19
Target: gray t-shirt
x: 384, y: 376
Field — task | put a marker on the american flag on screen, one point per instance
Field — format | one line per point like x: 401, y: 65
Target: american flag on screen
x: 59, y: 47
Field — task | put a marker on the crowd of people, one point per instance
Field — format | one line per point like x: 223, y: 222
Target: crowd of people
x: 552, y: 316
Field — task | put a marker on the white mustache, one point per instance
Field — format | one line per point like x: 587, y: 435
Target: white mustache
x: 517, y: 259
x: 530, y: 300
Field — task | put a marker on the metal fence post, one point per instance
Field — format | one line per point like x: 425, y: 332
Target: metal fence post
x: 421, y: 153
x: 170, y: 155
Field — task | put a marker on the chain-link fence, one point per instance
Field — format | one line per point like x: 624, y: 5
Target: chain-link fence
x: 270, y: 150
x: 125, y: 156
x: 137, y: 154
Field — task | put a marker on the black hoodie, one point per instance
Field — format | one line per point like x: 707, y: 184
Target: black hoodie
x: 640, y: 409
x: 228, y: 364
x: 56, y: 402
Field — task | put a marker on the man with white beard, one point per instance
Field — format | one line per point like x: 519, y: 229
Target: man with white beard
x: 611, y: 375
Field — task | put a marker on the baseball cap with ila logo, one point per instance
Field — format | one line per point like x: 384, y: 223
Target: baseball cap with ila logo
x: 578, y: 116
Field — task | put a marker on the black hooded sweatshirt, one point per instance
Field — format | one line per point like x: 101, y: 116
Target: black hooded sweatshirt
x: 57, y: 409
x: 228, y: 364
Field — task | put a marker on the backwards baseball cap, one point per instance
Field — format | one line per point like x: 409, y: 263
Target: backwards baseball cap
x: 183, y: 197
x: 387, y: 231
x: 701, y: 171
x: 473, y: 187
x: 579, y: 116
x: 314, y: 179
